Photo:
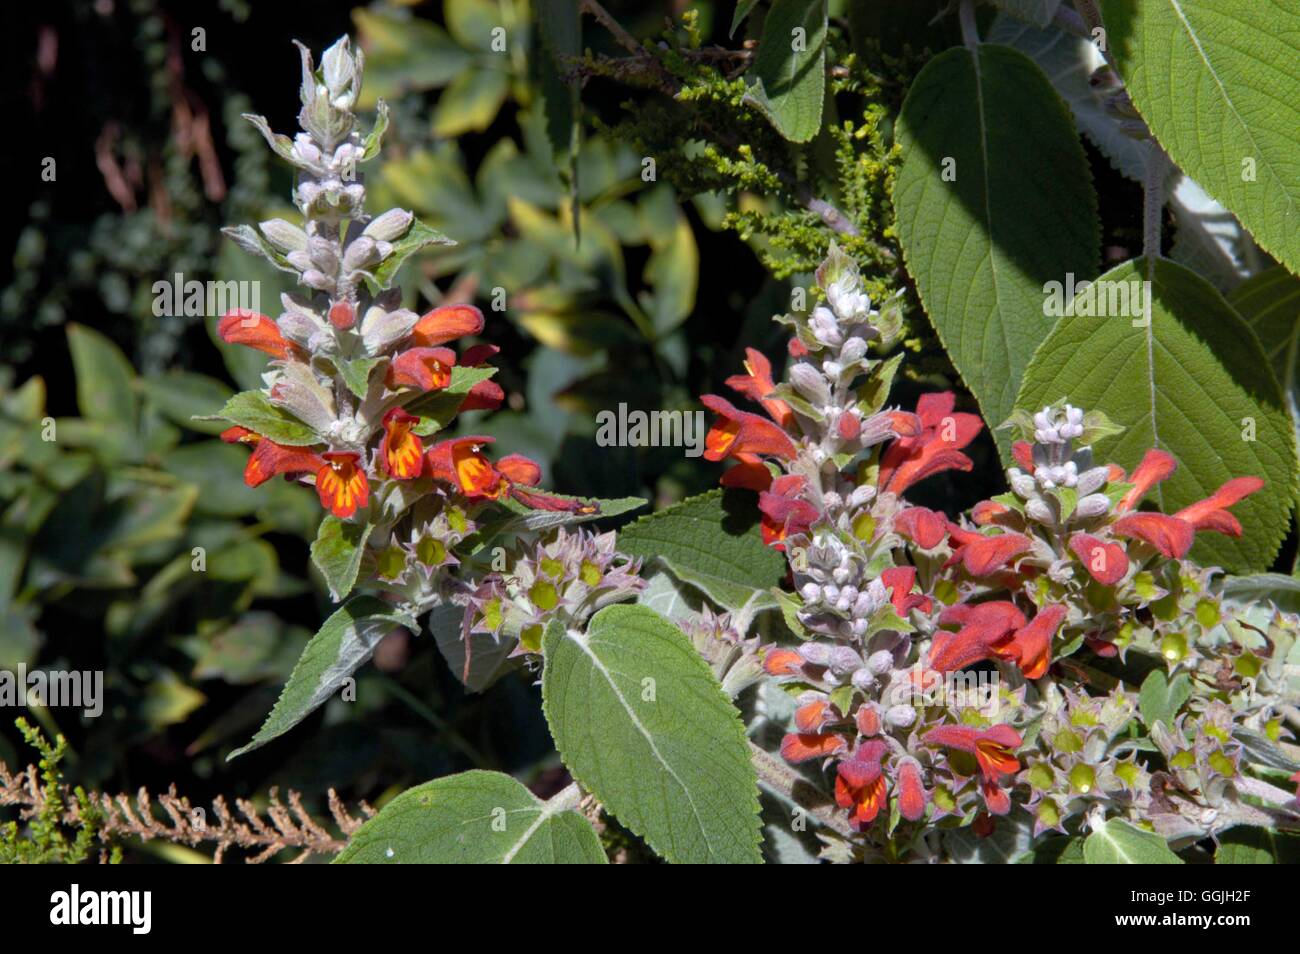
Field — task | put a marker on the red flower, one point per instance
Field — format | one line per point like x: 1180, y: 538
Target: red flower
x: 1023, y: 452
x: 911, y: 790
x: 341, y: 484
x: 426, y: 369
x: 1156, y: 466
x: 1170, y: 535
x: 253, y: 330
x: 926, y: 528
x: 460, y: 462
x: 757, y: 384
x: 1030, y: 647
x: 782, y: 662
x: 983, y: 555
x: 446, y: 324
x: 269, y: 458
x: 749, y: 472
x: 989, y: 513
x: 401, y: 449
x: 343, y: 315
x: 813, y: 716
x: 900, y: 580
x: 801, y: 747
x: 739, y: 432
x: 1106, y: 562
x: 784, y: 512
x: 936, y: 448
x: 860, y: 783
x: 485, y: 395
x: 1212, y: 513
x: 993, y: 751
x: 982, y: 625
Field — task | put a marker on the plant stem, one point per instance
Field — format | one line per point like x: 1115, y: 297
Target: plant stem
x: 786, y: 782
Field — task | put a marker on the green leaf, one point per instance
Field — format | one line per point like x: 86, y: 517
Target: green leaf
x: 1160, y: 700
x: 1257, y: 846
x: 474, y: 818
x: 251, y: 241
x: 405, y: 53
x: 253, y: 410
x: 712, y: 542
x: 530, y: 519
x: 1270, y: 303
x: 489, y: 654
x: 417, y: 237
x: 184, y: 397
x: 1276, y: 588
x: 743, y: 9
x: 105, y: 381
x: 789, y: 71
x: 1187, y: 382
x: 344, y: 643
x: 1117, y: 842
x: 1037, y: 12
x: 984, y: 246
x: 470, y: 103
x: 356, y: 373
x: 337, y: 552
x: 641, y: 721
x: 1216, y: 82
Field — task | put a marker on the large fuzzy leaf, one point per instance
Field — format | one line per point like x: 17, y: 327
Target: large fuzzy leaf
x: 1270, y: 303
x: 1216, y: 82
x: 641, y: 721
x: 344, y: 643
x: 985, y: 221
x: 474, y: 818
x: 1189, y: 382
x: 789, y: 72
x: 713, y: 543
x: 1116, y: 842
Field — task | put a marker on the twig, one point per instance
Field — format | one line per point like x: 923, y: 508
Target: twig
x: 786, y: 782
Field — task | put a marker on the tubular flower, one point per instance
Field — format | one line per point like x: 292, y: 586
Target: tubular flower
x: 485, y: 395
x: 739, y: 432
x: 1156, y: 466
x: 756, y: 384
x: 900, y: 580
x: 912, y: 796
x: 269, y: 458
x: 1107, y: 563
x: 994, y: 753
x: 982, y: 625
x: 1030, y: 647
x: 342, y: 484
x: 253, y: 330
x: 860, y: 783
x: 401, y: 450
x: 983, y: 555
x: 749, y: 473
x: 460, y: 462
x: 801, y: 747
x: 446, y: 323
x: 924, y: 527
x: 936, y: 448
x: 784, y: 512
x: 1173, y: 536
x: 426, y: 369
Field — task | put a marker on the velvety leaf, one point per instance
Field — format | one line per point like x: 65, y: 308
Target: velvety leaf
x: 1187, y: 382
x: 417, y: 237
x: 1215, y: 80
x: 789, y: 71
x: 1160, y: 699
x: 1270, y: 303
x: 343, y: 644
x: 475, y: 817
x: 488, y: 654
x: 337, y: 552
x: 1116, y: 842
x: 712, y: 542
x: 437, y: 408
x: 183, y: 397
x: 252, y: 409
x: 983, y: 246
x: 1037, y: 12
x: 1257, y: 846
x: 641, y: 722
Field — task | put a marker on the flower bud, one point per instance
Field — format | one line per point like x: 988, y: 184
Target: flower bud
x: 819, y: 654
x: 1093, y: 505
x: 390, y: 226
x: 900, y: 716
x: 284, y: 235
x: 881, y: 662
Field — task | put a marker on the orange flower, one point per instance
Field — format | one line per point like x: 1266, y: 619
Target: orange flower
x: 911, y: 790
x: 254, y: 331
x: 486, y: 395
x: 401, y: 449
x: 983, y: 555
x: 1156, y: 466
x: 757, y: 384
x: 738, y: 432
x: 993, y: 748
x: 982, y: 625
x: 446, y: 324
x: 427, y: 369
x: 342, y: 484
x: 460, y: 462
x: 800, y: 747
x: 860, y: 784
x: 1212, y: 513
x: 1106, y: 562
x: 269, y: 458
x: 1030, y: 647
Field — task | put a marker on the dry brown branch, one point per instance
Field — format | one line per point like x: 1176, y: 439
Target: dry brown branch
x: 287, y: 823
